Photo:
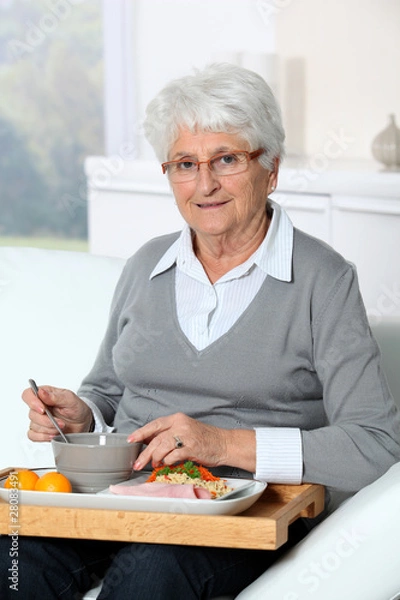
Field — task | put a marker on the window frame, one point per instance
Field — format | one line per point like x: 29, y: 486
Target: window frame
x: 120, y: 122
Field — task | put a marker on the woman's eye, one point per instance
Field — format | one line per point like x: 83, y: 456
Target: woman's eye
x: 185, y: 165
x: 228, y: 159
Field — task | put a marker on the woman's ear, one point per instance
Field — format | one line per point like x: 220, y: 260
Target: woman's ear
x: 273, y: 176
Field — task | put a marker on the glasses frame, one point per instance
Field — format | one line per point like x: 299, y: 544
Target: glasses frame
x: 249, y: 156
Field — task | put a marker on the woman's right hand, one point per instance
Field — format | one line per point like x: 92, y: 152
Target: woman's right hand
x: 70, y: 412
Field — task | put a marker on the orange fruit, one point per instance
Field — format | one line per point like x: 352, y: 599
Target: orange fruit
x: 53, y: 482
x: 22, y: 479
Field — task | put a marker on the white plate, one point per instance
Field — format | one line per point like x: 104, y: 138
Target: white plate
x: 107, y: 500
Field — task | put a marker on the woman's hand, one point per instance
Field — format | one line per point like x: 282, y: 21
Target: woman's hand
x: 70, y: 412
x: 205, y: 444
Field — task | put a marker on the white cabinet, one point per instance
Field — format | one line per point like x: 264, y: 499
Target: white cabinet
x: 367, y: 232
x: 121, y: 222
x: 129, y: 203
x: 354, y: 209
x: 308, y: 212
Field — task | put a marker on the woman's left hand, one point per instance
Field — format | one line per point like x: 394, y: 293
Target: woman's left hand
x: 202, y: 443
x: 205, y: 444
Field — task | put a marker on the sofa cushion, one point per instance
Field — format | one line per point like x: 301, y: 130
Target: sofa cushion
x: 53, y: 312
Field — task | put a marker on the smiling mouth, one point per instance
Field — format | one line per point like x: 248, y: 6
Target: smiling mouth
x: 212, y: 204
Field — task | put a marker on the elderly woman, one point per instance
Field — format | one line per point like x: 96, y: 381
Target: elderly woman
x: 240, y: 343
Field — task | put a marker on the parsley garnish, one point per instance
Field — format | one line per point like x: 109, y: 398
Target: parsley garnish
x: 188, y: 468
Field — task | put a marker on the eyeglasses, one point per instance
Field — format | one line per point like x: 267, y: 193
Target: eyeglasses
x: 225, y: 163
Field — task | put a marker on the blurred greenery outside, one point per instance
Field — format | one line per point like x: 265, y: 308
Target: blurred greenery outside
x: 51, y: 118
x: 49, y: 242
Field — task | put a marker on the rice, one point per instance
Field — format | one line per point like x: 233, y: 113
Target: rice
x: 192, y: 473
x: 217, y: 488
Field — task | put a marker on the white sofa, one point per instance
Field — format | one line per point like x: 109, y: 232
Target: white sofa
x: 53, y: 312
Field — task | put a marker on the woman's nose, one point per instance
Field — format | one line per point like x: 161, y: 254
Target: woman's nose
x: 207, y: 181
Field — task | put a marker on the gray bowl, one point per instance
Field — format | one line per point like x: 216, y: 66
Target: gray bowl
x: 93, y: 461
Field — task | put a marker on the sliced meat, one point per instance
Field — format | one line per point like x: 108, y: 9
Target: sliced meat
x: 156, y: 489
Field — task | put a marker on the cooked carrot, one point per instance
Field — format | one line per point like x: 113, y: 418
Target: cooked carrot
x: 188, y: 468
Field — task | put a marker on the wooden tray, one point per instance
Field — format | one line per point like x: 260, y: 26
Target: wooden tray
x: 263, y: 526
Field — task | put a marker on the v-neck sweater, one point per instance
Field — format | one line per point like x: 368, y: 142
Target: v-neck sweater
x: 300, y: 356
x: 205, y: 310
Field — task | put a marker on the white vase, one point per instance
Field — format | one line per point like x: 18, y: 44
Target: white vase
x: 386, y: 146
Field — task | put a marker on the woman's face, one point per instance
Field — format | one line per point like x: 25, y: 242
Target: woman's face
x: 229, y: 206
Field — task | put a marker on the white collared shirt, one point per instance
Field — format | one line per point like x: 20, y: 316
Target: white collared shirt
x: 206, y: 311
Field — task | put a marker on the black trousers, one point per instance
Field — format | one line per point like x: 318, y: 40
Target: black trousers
x: 50, y: 569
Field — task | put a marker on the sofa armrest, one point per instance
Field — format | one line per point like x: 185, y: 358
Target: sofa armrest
x: 352, y: 554
x: 53, y: 312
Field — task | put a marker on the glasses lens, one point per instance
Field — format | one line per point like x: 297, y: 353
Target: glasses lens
x: 229, y: 164
x: 184, y: 170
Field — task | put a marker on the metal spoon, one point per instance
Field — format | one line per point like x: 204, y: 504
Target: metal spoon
x: 237, y: 491
x: 35, y: 390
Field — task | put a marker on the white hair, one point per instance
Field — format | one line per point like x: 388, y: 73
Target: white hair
x: 220, y: 98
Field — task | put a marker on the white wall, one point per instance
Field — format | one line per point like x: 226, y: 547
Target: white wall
x: 339, y: 60
x: 171, y: 37
x: 347, y: 71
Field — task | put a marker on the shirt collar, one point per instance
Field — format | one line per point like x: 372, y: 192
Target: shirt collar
x: 274, y: 256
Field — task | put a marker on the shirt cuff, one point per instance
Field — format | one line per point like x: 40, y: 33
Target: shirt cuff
x: 100, y: 426
x: 279, y: 455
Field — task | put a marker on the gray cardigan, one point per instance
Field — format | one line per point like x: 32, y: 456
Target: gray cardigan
x: 301, y: 355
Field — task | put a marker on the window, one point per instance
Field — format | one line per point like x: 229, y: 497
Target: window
x: 51, y: 117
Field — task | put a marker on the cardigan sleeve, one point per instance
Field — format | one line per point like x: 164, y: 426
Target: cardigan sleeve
x: 362, y: 437
x: 101, y: 389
